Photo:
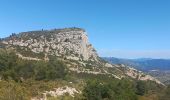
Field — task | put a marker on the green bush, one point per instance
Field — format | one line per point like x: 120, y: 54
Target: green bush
x: 140, y: 88
x: 121, y: 90
x: 12, y: 67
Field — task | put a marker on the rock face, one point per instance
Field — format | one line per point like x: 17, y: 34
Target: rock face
x: 71, y: 43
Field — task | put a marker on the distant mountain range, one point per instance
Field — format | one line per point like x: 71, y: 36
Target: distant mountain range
x: 144, y: 64
x: 159, y: 68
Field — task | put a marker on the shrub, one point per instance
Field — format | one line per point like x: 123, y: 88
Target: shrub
x: 122, y: 90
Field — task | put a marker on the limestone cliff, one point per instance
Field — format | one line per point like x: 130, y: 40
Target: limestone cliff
x: 71, y: 43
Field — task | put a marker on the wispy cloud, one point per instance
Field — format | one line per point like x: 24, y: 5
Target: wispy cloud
x: 135, y: 53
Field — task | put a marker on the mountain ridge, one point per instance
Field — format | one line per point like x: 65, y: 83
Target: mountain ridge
x: 67, y: 44
x: 159, y: 68
x: 70, y: 46
x: 147, y: 63
x: 66, y: 40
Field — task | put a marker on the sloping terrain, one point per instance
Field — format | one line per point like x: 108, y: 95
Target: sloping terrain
x: 159, y: 68
x: 61, y: 60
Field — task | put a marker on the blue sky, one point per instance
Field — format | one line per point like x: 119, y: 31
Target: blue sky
x: 119, y: 28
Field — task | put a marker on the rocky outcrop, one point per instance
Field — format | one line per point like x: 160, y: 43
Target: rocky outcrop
x: 58, y: 92
x: 71, y: 43
x: 27, y: 58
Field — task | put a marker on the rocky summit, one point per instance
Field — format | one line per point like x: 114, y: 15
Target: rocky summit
x: 71, y: 43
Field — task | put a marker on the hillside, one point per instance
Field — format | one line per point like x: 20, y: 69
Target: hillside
x: 159, y: 68
x: 62, y: 64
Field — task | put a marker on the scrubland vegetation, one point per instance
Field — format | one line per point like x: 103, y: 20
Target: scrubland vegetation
x: 23, y: 79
